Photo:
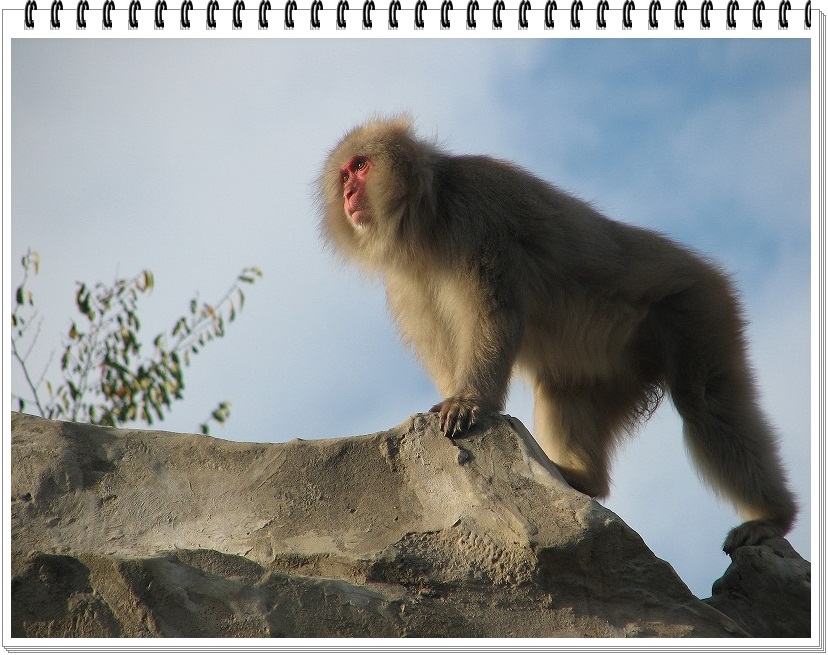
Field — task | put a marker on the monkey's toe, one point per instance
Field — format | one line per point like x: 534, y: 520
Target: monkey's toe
x: 456, y: 415
x: 751, y: 533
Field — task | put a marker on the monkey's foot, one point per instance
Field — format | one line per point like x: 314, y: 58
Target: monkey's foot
x: 457, y: 414
x: 751, y: 533
x: 581, y: 481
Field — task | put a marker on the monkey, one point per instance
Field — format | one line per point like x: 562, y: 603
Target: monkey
x: 490, y: 270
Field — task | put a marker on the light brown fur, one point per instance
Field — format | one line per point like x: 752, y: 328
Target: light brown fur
x: 488, y: 268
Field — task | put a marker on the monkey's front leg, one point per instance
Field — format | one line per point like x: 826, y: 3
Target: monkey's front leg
x: 487, y: 352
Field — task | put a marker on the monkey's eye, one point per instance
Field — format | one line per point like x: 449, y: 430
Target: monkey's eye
x: 360, y: 164
x: 345, y: 176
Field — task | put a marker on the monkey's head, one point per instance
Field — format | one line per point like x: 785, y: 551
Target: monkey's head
x: 373, y: 180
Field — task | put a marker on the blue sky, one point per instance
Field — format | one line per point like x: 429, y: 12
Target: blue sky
x: 195, y: 158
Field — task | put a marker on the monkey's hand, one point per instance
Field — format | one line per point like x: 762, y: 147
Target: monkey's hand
x: 751, y: 533
x: 457, y: 414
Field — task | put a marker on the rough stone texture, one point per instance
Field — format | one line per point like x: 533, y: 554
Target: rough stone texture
x: 400, y: 533
x: 767, y: 590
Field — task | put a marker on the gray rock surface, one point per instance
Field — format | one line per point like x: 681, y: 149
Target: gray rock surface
x: 400, y: 533
x: 767, y: 590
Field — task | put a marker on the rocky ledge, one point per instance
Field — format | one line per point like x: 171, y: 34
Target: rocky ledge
x: 400, y: 533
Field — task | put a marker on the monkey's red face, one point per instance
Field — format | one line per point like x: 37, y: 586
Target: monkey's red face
x: 354, y: 175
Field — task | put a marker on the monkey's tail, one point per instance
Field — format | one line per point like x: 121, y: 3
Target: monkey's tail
x: 711, y: 385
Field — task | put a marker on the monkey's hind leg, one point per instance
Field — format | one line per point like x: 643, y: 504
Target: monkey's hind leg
x: 735, y: 450
x: 576, y: 427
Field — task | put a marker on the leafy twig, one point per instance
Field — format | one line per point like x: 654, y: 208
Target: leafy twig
x: 108, y: 377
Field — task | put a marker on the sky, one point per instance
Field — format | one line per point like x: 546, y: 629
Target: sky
x: 196, y: 158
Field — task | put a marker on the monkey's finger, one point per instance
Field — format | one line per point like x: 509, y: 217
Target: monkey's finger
x: 438, y: 409
x: 446, y: 424
x: 463, y: 418
x: 452, y: 418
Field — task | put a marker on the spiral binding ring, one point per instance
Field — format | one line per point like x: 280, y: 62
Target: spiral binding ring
x: 418, y: 14
x: 186, y: 7
x: 132, y: 20
x: 784, y: 6
x: 681, y: 5
x: 341, y: 7
x: 80, y: 21
x: 473, y: 6
x: 393, y: 8
x: 603, y: 5
x: 367, y: 8
x: 706, y: 6
x: 626, y: 15
x: 808, y: 15
x: 445, y: 8
x: 548, y: 20
x: 160, y: 6
x: 758, y: 6
x: 523, y: 20
x: 28, y: 14
x: 108, y: 6
x: 655, y: 5
x: 238, y: 8
x: 574, y: 19
x: 54, y: 20
x: 211, y: 14
x: 290, y: 7
x: 264, y: 7
x: 316, y: 7
x: 499, y: 6
x: 732, y: 8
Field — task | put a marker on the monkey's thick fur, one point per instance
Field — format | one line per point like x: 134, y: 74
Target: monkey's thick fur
x: 489, y: 268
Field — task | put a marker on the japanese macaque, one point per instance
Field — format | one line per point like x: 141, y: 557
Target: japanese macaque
x: 489, y: 269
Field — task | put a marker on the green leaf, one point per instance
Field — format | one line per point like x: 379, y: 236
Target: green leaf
x: 82, y: 301
x: 31, y: 259
x: 250, y: 274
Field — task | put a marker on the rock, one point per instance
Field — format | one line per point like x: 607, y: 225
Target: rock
x: 400, y: 533
x: 766, y: 590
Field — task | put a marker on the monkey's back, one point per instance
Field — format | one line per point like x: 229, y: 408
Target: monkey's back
x: 546, y: 237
